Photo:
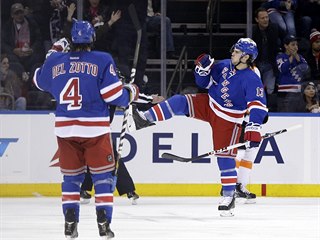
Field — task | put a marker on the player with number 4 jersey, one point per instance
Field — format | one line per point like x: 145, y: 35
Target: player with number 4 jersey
x: 84, y: 83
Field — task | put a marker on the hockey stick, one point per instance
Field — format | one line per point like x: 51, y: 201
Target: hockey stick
x: 137, y: 26
x: 267, y: 135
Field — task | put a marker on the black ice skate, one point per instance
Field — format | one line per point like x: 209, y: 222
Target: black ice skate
x: 103, y: 225
x: 243, y: 193
x: 133, y: 196
x: 70, y: 226
x: 226, y: 206
x: 84, y: 197
x: 136, y: 119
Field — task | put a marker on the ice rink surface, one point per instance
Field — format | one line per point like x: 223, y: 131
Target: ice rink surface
x: 166, y: 218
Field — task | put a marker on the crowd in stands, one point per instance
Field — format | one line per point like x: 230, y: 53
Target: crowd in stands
x: 286, y: 32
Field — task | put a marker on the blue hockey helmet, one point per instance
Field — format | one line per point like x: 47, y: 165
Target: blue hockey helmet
x: 247, y: 46
x: 82, y: 32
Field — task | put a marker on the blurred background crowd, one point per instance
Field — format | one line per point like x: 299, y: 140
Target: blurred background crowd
x: 286, y: 32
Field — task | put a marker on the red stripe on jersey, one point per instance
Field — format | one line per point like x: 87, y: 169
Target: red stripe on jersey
x: 81, y: 123
x: 73, y: 173
x: 228, y: 180
x: 75, y: 197
x: 158, y: 112
x: 255, y: 103
x: 283, y: 87
x: 103, y: 199
x: 234, y: 115
x: 108, y: 168
x: 112, y: 92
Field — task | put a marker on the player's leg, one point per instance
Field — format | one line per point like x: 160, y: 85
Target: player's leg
x: 70, y: 203
x: 104, y: 202
x: 73, y: 168
x: 244, y: 162
x: 125, y: 184
x: 246, y: 158
x: 101, y: 162
x: 228, y: 175
x: 226, y: 133
x: 175, y: 105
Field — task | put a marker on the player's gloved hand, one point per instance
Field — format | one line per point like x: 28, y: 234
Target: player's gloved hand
x: 132, y: 75
x: 62, y: 45
x: 133, y: 90
x: 252, y: 134
x: 203, y: 64
x: 121, y: 77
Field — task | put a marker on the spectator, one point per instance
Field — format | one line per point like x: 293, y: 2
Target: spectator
x: 281, y: 12
x: 103, y: 18
x: 95, y: 12
x: 309, y: 99
x: 21, y: 39
x: 154, y: 25
x: 12, y: 85
x: 71, y: 16
x: 266, y: 35
x: 293, y: 68
x: 51, y: 20
x: 313, y: 57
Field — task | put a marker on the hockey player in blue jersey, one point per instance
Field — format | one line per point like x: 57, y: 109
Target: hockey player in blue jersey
x: 84, y: 83
x: 233, y: 88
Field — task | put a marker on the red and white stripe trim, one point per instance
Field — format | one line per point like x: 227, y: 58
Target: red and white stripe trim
x: 258, y: 105
x: 228, y: 180
x: 82, y: 127
x: 70, y: 197
x: 158, y: 113
x: 112, y: 91
x: 104, y: 199
x: 289, y: 88
x: 190, y: 105
x: 231, y: 115
x: 103, y: 169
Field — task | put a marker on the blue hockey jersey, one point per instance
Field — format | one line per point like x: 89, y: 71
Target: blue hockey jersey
x: 83, y: 84
x: 232, y: 92
x: 291, y: 74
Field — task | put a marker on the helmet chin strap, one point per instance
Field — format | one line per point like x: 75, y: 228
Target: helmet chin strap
x: 235, y: 66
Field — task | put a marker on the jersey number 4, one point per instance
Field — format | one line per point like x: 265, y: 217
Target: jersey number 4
x: 70, y: 94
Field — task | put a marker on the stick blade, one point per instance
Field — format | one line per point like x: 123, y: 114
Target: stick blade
x: 294, y: 127
x: 174, y: 157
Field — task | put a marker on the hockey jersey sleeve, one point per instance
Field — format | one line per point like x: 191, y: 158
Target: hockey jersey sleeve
x: 41, y: 79
x: 256, y: 100
x: 207, y: 81
x: 111, y: 88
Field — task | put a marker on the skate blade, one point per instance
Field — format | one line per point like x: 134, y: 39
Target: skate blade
x: 241, y: 200
x: 250, y: 201
x: 69, y: 237
x: 134, y: 202
x: 84, y: 201
x: 106, y: 237
x: 226, y: 213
